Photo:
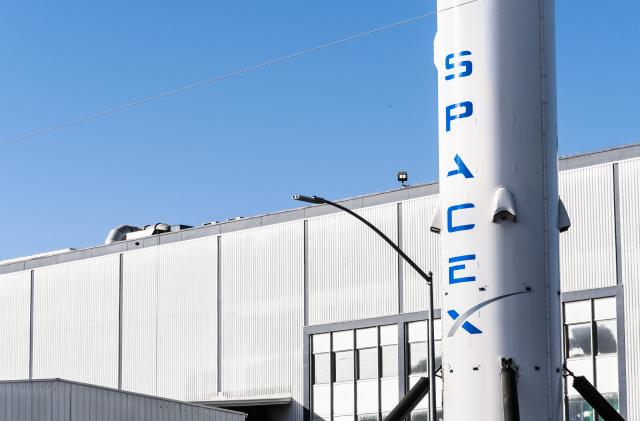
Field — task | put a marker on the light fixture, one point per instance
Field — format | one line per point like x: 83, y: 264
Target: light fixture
x: 403, y: 177
x: 309, y: 199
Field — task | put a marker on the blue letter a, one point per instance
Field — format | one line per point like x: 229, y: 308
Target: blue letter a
x: 462, y: 168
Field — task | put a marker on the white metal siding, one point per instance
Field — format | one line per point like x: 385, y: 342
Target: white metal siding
x: 139, y: 321
x: 587, y: 250
x: 170, y: 320
x: 75, y: 321
x: 423, y: 247
x: 187, y: 320
x: 262, y: 296
x: 15, y: 313
x: 630, y: 236
x: 58, y: 400
x: 353, y: 273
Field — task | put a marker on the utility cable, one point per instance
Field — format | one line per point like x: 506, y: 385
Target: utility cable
x: 227, y: 75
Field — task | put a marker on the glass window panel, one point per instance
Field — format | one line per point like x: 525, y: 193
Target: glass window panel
x: 438, y: 346
x: 581, y: 367
x: 389, y: 335
x: 607, y: 374
x: 368, y: 363
x: 390, y: 361
x: 604, y: 308
x: 367, y: 338
x: 577, y: 311
x: 321, y: 400
x: 421, y: 415
x: 321, y: 343
x: 347, y: 418
x: 343, y: 403
x: 389, y: 393
x: 418, y: 357
x: 613, y: 401
x: 368, y: 417
x: 578, y: 340
x: 417, y: 331
x: 437, y: 328
x: 424, y: 403
x: 344, y: 366
x: 606, y: 335
x: 367, y: 397
x: 580, y: 410
x: 342, y: 340
x: 322, y: 368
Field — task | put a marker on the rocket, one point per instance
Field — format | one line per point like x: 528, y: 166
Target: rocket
x: 499, y: 208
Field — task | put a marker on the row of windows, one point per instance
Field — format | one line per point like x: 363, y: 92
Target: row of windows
x: 355, y: 372
x: 591, y: 350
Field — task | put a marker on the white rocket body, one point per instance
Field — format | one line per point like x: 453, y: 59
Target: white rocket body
x: 499, y: 206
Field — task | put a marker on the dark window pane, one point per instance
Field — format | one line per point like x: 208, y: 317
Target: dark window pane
x: 344, y: 365
x: 321, y: 368
x: 607, y: 337
x: 579, y: 340
x: 390, y: 361
x: 579, y: 410
x: 421, y: 415
x: 418, y: 357
x: 368, y: 363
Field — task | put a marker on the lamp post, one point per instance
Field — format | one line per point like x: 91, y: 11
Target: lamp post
x: 427, y: 276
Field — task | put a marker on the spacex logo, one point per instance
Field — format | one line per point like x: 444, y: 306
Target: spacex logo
x: 461, y: 320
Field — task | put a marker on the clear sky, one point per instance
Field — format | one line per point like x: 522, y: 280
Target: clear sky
x: 338, y: 123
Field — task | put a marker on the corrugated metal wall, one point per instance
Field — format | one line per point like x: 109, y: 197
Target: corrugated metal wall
x: 262, y: 314
x: 170, y: 320
x: 139, y: 321
x: 15, y: 314
x: 353, y: 273
x: 187, y: 319
x: 629, y: 172
x: 587, y: 250
x: 56, y: 400
x: 75, y: 321
x: 423, y: 247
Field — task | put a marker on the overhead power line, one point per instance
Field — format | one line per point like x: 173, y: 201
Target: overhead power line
x: 225, y: 76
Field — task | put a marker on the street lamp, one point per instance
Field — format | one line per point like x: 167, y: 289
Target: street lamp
x: 428, y: 277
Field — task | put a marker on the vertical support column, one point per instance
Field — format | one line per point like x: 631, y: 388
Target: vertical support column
x: 306, y: 271
x: 402, y: 365
x: 400, y: 262
x: 31, y: 325
x: 219, y: 315
x: 120, y: 308
x: 616, y: 219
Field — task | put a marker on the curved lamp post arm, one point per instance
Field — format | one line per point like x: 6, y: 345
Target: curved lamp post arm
x: 319, y: 200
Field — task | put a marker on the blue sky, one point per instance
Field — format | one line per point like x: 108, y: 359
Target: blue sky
x: 339, y: 122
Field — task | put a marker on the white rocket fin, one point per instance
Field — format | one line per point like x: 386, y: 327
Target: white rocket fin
x: 436, y: 221
x: 503, y: 207
x: 564, y: 223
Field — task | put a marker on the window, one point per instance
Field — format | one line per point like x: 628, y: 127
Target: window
x: 417, y: 334
x: 591, y: 350
x: 355, y: 374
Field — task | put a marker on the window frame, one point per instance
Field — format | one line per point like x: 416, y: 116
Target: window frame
x: 401, y: 322
x: 592, y: 295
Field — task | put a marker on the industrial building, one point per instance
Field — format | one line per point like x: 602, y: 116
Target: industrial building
x: 307, y: 314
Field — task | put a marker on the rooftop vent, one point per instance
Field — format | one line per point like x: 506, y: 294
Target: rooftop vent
x: 129, y: 232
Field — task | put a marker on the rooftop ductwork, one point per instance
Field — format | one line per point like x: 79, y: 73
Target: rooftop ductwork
x: 129, y: 232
